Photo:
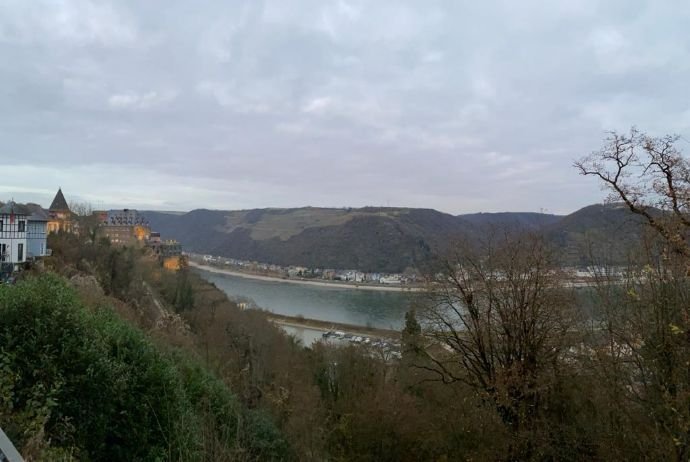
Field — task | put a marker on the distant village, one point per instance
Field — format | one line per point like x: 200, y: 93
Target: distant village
x: 573, y: 276
x: 303, y: 272
x: 24, y: 231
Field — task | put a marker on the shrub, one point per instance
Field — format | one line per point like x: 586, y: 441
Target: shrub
x: 96, y: 388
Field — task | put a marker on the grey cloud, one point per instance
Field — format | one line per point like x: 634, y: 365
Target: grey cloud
x: 459, y: 106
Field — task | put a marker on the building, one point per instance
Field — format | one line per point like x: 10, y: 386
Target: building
x: 169, y: 251
x: 37, y: 231
x: 170, y: 248
x: 13, y: 228
x: 391, y: 279
x: 61, y: 217
x: 126, y: 226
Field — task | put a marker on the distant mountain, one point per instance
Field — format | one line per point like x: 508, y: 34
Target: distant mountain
x: 371, y: 238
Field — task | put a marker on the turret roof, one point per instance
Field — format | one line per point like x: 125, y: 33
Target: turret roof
x: 59, y: 203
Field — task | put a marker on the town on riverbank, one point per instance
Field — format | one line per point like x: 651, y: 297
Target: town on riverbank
x: 307, y: 282
x: 354, y: 279
x: 340, y: 277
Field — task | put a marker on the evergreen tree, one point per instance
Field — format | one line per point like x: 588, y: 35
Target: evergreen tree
x: 411, y: 333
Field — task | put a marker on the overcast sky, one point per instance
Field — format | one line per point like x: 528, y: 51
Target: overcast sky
x: 454, y: 105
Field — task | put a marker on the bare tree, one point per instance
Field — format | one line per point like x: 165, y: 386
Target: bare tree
x: 648, y: 174
x: 82, y: 209
x: 497, y: 318
x: 645, y: 360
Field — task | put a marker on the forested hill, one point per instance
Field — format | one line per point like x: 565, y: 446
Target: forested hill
x: 370, y: 238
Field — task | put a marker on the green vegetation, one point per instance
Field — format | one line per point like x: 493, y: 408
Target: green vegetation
x: 83, y: 384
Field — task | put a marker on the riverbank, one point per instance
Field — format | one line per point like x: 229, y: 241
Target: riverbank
x: 332, y: 285
x: 325, y: 326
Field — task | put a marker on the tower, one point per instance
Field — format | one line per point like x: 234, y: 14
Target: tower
x: 61, y: 217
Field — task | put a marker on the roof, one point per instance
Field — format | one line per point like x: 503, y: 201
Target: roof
x: 125, y: 217
x: 12, y: 208
x: 38, y: 213
x: 59, y: 204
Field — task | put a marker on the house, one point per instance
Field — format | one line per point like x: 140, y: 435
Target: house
x: 390, y: 279
x: 296, y: 271
x: 37, y: 231
x: 61, y: 217
x: 13, y: 227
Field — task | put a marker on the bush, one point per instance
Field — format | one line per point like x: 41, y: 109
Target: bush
x: 95, y: 387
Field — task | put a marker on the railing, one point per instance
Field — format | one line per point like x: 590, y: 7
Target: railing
x: 8, y: 453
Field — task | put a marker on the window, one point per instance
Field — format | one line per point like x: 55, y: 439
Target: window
x: 3, y: 249
x: 1, y: 222
x: 20, y: 252
x: 21, y: 227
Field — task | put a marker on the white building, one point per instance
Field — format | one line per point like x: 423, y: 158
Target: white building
x: 392, y: 279
x: 13, y: 228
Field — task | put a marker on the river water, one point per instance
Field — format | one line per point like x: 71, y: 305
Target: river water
x: 370, y: 308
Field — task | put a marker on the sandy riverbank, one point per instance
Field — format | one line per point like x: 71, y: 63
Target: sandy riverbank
x: 325, y: 326
x: 332, y: 285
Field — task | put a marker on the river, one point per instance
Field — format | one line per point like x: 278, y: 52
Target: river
x: 385, y: 310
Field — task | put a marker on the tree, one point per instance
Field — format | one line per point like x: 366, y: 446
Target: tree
x: 497, y: 319
x: 648, y: 174
x: 82, y: 209
x: 184, y: 293
x: 411, y: 332
x: 645, y: 358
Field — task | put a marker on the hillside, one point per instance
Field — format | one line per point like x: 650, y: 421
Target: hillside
x: 607, y: 230
x: 370, y: 238
x: 97, y: 366
x: 522, y: 220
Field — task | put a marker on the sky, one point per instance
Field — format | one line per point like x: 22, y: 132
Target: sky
x: 461, y: 106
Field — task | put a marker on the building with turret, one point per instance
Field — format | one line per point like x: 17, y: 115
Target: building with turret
x: 60, y: 216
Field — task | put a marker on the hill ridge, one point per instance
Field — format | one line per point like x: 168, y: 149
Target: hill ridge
x: 388, y: 239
